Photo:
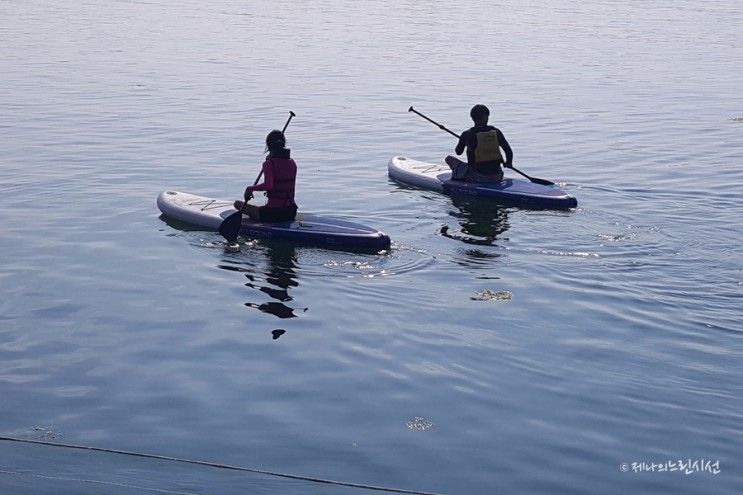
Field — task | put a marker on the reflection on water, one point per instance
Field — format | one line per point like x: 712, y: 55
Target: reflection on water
x: 274, y: 280
x: 480, y: 222
x: 279, y: 310
x: 279, y: 275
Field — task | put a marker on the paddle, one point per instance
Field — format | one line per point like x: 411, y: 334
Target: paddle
x: 535, y: 180
x: 230, y: 226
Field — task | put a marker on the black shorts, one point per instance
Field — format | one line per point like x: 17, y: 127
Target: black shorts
x: 275, y: 215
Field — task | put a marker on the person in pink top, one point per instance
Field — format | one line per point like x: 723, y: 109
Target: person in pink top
x: 279, y: 176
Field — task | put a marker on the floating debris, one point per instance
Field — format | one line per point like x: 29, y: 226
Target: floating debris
x: 490, y: 295
x: 419, y: 423
x: 45, y: 433
x: 277, y: 333
x: 737, y: 120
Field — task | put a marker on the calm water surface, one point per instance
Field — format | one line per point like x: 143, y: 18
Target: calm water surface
x: 617, y: 340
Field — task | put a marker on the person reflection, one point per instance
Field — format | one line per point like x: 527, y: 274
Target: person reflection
x: 280, y: 276
x: 481, y: 222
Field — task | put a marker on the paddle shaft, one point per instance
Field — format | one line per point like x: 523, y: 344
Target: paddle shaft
x: 440, y: 126
x: 532, y: 179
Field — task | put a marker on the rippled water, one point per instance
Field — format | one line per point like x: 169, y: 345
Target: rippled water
x: 491, y: 350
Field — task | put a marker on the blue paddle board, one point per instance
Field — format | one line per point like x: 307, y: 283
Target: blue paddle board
x: 518, y: 192
x: 307, y: 228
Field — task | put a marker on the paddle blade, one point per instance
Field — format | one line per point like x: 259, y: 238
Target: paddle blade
x: 541, y: 181
x: 535, y: 180
x: 231, y: 226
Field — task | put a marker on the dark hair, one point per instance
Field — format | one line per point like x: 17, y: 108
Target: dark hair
x: 479, y: 112
x: 275, y: 141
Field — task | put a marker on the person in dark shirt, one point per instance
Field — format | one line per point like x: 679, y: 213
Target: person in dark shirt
x: 483, y: 143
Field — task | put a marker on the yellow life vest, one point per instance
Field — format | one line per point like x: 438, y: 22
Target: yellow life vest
x: 488, y: 148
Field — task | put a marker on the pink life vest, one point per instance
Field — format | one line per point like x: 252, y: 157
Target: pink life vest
x: 280, y: 177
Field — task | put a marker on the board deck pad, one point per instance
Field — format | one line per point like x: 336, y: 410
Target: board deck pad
x: 520, y: 192
x: 307, y: 228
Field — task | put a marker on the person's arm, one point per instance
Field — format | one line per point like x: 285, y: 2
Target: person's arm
x: 506, y: 147
x: 461, y: 144
x: 267, y: 183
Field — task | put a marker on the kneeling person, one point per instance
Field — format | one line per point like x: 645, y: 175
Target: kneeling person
x: 483, y: 143
x: 279, y: 177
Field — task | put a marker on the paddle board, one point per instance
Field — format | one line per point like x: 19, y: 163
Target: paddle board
x: 307, y: 228
x: 519, y: 192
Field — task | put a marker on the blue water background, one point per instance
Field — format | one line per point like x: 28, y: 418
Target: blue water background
x: 621, y: 339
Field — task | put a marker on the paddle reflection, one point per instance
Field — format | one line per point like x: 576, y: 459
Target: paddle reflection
x: 480, y: 222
